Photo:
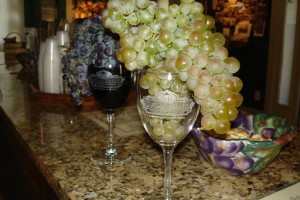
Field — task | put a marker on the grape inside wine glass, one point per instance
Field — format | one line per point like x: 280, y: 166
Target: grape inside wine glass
x: 167, y: 111
x: 110, y: 84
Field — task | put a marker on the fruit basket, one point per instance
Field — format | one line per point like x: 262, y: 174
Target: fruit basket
x: 13, y: 43
x: 253, y: 143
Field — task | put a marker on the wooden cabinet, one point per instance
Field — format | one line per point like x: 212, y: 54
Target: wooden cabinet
x: 19, y: 176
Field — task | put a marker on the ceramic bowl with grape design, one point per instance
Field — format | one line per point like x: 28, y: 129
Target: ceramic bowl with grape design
x: 253, y: 143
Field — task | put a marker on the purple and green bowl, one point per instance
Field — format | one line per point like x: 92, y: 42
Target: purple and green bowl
x: 245, y: 155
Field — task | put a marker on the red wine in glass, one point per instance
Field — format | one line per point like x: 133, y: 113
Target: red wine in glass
x: 110, y: 84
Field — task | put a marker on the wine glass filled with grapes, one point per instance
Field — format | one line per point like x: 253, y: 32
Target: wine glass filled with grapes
x: 110, y: 84
x: 167, y: 111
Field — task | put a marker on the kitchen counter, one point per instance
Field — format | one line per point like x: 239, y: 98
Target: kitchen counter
x: 60, y: 140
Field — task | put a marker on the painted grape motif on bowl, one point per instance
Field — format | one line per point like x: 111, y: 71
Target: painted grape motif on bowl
x: 253, y: 143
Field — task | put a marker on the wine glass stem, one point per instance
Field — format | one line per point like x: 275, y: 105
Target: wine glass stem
x: 111, y: 150
x: 168, y: 156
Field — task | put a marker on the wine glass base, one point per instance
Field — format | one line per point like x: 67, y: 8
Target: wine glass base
x: 101, y: 159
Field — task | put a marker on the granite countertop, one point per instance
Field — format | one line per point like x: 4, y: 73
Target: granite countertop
x: 61, y: 140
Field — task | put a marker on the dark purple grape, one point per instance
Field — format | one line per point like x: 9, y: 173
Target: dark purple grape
x: 268, y: 133
x: 217, y: 149
x: 223, y: 162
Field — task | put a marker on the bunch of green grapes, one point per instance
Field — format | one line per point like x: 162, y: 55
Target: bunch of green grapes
x: 180, y: 39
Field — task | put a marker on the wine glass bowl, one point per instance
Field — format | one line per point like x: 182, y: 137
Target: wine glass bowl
x: 110, y: 85
x: 167, y: 112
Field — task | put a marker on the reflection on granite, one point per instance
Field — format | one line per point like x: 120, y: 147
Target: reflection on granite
x: 61, y: 142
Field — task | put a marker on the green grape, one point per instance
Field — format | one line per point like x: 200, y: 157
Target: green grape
x: 160, y: 46
x: 208, y: 105
x: 138, y: 44
x: 127, y: 7
x: 169, y: 64
x: 180, y: 132
x: 142, y: 4
x: 128, y: 54
x: 151, y: 78
x: 208, y: 122
x: 228, y: 85
x: 115, y: 13
x: 218, y: 79
x: 187, y: 1
x: 161, y: 13
x: 151, y: 47
x: 238, y: 83
x: 221, y: 113
x: 218, y: 39
x: 239, y: 99
x: 205, y: 77
x: 145, y: 32
x: 154, y: 122
x: 133, y: 19
x: 119, y: 26
x: 165, y: 84
x: 154, y: 89
x: 233, y: 64
x: 155, y: 26
x: 210, y: 22
x: 232, y: 114
x: 216, y: 92
x: 215, y: 65
x: 158, y: 130
x: 199, y: 25
x: 174, y: 10
x: 153, y: 61
x: 144, y: 83
x: 142, y: 58
x: 182, y: 20
x: 191, y: 83
x: 184, y: 32
x: 176, y: 86
x: 207, y: 35
x: 202, y: 91
x: 146, y: 16
x: 196, y: 38
x: 207, y: 48
x: 183, y: 63
x: 169, y: 127
x: 197, y: 7
x: 220, y: 52
x: 152, y: 7
x: 169, y: 23
x: 200, y: 60
x: 131, y: 65
x: 222, y: 126
x: 169, y: 138
x: 114, y: 3
x: 183, y: 76
x: 185, y: 8
x: 107, y: 22
x: 119, y: 55
x: 194, y: 72
x: 166, y: 36
x: 172, y: 53
x: 126, y: 40
x: 179, y: 43
x: 191, y: 51
x: 230, y: 100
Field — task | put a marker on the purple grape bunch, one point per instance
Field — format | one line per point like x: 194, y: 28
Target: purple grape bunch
x: 91, y: 44
x: 243, y: 155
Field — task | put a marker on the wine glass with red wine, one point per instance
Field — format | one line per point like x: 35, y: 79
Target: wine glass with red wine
x: 110, y: 83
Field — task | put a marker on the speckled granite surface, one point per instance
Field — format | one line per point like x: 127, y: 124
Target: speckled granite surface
x: 62, y: 141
